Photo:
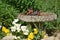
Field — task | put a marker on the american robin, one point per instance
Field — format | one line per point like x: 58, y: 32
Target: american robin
x: 37, y: 12
x: 30, y: 11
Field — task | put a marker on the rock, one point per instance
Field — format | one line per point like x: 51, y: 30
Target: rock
x: 57, y: 37
x: 49, y: 38
x: 8, y: 37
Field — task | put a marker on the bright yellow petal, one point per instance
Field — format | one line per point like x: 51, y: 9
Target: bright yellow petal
x: 31, y: 36
x: 8, y: 34
x: 7, y: 31
x: 3, y: 28
x: 28, y: 39
x: 45, y: 36
x: 43, y: 33
x: 35, y: 31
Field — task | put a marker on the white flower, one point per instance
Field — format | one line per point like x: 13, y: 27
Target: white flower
x: 18, y: 37
x: 16, y: 20
x: 13, y: 29
x: 13, y: 23
x: 26, y: 32
x: 17, y: 25
x: 23, y: 28
x: 18, y: 29
x: 15, y: 37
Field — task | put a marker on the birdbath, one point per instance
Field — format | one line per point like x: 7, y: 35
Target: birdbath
x: 44, y: 16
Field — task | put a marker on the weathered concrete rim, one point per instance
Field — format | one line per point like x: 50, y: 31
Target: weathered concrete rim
x: 42, y: 18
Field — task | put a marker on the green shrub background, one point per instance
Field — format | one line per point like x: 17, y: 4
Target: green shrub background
x: 9, y: 9
x: 7, y: 14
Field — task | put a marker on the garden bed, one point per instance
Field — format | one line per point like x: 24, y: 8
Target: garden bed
x: 57, y: 37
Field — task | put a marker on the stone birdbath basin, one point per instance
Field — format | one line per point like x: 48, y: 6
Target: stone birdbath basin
x: 44, y: 16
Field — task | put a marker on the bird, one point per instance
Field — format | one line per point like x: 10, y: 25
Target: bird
x: 30, y: 11
x: 37, y: 12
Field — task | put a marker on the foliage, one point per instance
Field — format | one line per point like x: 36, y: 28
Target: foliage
x: 50, y: 6
x: 21, y: 5
x: 22, y: 32
x: 7, y: 14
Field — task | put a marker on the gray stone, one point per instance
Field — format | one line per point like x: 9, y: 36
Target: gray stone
x: 8, y: 38
x: 49, y: 38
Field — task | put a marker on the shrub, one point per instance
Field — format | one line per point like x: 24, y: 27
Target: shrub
x: 7, y: 14
x: 21, y: 5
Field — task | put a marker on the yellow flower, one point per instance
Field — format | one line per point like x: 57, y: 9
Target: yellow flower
x: 8, y: 34
x: 35, y: 31
x: 31, y: 36
x: 7, y: 31
x: 45, y: 36
x: 43, y: 33
x: 29, y: 39
x: 3, y: 28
